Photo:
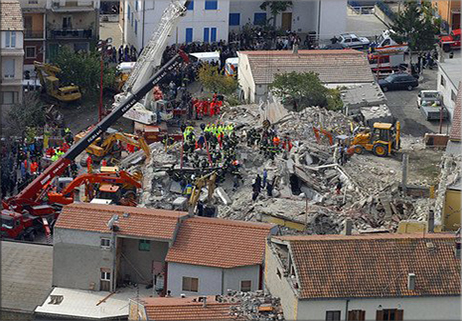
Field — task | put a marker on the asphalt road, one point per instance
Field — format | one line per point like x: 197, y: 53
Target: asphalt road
x: 403, y: 106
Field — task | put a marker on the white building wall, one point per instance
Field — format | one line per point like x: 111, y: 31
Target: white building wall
x: 333, y: 18
x: 246, y: 9
x: 446, y: 88
x: 245, y: 78
x: 416, y: 308
x: 210, y: 279
x: 232, y: 277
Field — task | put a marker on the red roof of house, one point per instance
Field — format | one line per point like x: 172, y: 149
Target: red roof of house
x: 336, y: 266
x: 457, y: 117
x: 133, y: 221
x: 179, y: 309
x: 332, y: 66
x: 219, y: 243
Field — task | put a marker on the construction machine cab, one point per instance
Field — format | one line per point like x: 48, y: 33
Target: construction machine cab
x: 383, y: 139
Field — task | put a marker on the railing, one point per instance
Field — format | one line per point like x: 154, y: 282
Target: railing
x: 28, y: 34
x: 71, y: 33
x: 361, y: 10
x: 385, y: 8
x: 73, y: 5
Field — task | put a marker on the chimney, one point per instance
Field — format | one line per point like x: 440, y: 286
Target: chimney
x: 431, y: 221
x: 347, y: 229
x: 295, y: 49
x: 204, y: 301
x: 457, y: 248
x: 411, y: 281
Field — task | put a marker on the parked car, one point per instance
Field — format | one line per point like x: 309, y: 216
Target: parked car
x: 431, y: 104
x: 350, y: 40
x: 398, y: 81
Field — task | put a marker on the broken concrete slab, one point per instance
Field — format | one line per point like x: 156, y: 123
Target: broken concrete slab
x: 224, y: 198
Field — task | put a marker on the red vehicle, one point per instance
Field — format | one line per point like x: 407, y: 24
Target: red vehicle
x: 25, y: 214
x: 451, y: 41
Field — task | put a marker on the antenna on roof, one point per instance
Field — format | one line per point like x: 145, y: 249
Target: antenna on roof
x: 110, y: 223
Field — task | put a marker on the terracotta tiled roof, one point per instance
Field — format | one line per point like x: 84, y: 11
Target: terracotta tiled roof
x: 375, y: 265
x: 333, y: 66
x: 178, y: 309
x: 10, y: 15
x: 457, y: 117
x: 140, y: 222
x: 219, y: 243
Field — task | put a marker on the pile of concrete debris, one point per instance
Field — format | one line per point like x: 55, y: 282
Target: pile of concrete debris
x: 258, y: 305
x: 305, y: 195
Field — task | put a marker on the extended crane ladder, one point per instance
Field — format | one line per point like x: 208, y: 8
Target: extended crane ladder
x: 151, y: 55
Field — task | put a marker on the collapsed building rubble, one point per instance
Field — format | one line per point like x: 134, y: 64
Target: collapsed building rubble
x: 258, y: 305
x: 304, y: 180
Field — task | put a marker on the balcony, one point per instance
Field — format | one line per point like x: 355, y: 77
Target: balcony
x: 71, y: 34
x: 72, y: 6
x: 33, y: 34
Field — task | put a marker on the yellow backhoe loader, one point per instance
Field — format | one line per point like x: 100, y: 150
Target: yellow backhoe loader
x: 382, y: 140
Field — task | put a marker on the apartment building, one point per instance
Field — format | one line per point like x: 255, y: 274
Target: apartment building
x: 212, y: 20
x: 12, y: 53
x: 449, y: 11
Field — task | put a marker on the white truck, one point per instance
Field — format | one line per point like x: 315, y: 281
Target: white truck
x: 431, y: 105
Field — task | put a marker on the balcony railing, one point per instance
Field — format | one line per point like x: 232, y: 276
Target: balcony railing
x: 33, y: 34
x: 72, y: 6
x: 71, y: 34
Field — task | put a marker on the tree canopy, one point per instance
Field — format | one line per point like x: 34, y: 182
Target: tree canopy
x: 303, y: 90
x: 417, y: 26
x: 84, y: 70
x: 28, y: 114
x: 212, y: 80
x: 276, y: 7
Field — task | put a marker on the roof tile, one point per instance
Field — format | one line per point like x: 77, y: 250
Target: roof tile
x: 219, y: 243
x: 140, y: 222
x: 333, y: 66
x: 375, y: 266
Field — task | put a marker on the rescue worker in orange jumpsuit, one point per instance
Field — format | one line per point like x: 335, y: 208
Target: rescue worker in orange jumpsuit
x: 89, y: 164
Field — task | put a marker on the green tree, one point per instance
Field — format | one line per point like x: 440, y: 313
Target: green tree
x: 28, y: 114
x: 417, y: 26
x: 303, y: 90
x: 276, y: 7
x: 84, y: 70
x: 212, y: 80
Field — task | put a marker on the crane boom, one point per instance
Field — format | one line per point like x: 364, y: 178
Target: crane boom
x: 30, y: 193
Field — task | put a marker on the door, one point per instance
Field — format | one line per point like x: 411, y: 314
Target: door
x: 356, y: 315
x: 189, y: 35
x: 286, y: 21
x: 206, y: 34
x: 67, y: 22
x: 213, y: 35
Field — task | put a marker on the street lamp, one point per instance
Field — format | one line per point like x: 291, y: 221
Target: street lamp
x: 104, y: 46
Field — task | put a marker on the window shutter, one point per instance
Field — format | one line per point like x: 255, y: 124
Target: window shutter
x: 379, y: 315
x: 399, y: 315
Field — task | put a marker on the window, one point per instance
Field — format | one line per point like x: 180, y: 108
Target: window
x: 33, y: 1
x: 389, y: 314
x: 453, y: 96
x: 9, y: 68
x: 136, y: 27
x: 442, y: 81
x: 67, y: 22
x: 206, y: 34
x: 332, y: 315
x: 105, y: 282
x: 246, y: 286
x: 386, y: 42
x: 189, y: 35
x: 234, y: 19
x: 105, y: 243
x: 28, y: 22
x: 189, y: 5
x: 8, y: 97
x: 211, y: 5
x: 190, y: 284
x: 213, y: 35
x: 132, y: 19
x: 356, y: 315
x: 31, y: 52
x: 128, y: 12
x: 144, y: 245
x: 259, y: 18
x: 105, y: 275
x: 136, y: 5
x: 10, y: 39
x: 278, y: 273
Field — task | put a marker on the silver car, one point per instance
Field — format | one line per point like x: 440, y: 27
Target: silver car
x: 350, y: 40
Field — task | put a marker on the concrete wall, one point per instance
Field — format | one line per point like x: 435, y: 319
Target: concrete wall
x: 210, y: 279
x: 142, y: 260
x: 280, y: 287
x: 332, y: 10
x: 423, y: 308
x: 232, y: 277
x: 78, y: 258
x: 245, y: 78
